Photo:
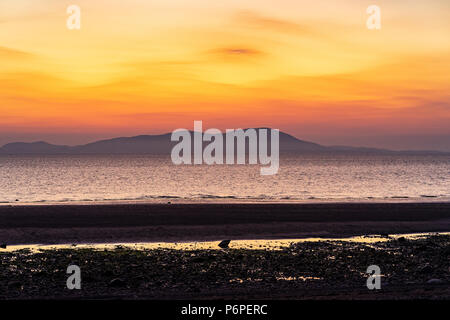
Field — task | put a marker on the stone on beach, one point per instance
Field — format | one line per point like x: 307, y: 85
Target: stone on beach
x: 224, y: 244
x: 434, y: 281
x: 117, y: 282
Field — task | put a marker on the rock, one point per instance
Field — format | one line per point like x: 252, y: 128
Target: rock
x: 425, y: 269
x: 198, y: 259
x: 435, y: 281
x: 108, y: 273
x: 3, y: 245
x: 14, y: 285
x: 117, y: 283
x: 139, y: 278
x: 224, y: 244
x: 423, y: 247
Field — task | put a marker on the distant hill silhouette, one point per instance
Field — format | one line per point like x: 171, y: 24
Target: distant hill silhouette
x: 33, y: 147
x: 161, y: 144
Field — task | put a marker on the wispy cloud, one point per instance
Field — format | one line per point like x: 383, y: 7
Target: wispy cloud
x: 255, y: 20
x: 8, y: 53
x: 237, y: 51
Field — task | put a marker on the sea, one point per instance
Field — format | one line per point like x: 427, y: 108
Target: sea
x: 35, y: 179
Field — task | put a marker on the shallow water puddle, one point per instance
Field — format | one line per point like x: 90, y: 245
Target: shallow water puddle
x: 262, y: 244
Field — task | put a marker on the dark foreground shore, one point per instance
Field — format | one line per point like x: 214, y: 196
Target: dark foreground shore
x: 410, y: 269
x: 52, y: 224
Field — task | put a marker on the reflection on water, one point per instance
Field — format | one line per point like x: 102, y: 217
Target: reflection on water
x: 213, y: 245
x: 343, y: 177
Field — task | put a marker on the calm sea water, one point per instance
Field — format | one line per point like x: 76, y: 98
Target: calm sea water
x: 68, y: 178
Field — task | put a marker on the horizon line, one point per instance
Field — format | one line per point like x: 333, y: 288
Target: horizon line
x: 256, y: 128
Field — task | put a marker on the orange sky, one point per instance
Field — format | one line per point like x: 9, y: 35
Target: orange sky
x: 313, y: 70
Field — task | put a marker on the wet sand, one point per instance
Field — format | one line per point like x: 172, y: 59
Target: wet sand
x: 113, y: 223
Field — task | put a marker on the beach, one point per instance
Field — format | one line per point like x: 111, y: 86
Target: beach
x: 411, y: 268
x: 151, y: 251
x: 181, y: 222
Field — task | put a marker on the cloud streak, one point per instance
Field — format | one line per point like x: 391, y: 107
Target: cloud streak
x: 237, y: 51
x: 8, y: 53
x: 255, y: 20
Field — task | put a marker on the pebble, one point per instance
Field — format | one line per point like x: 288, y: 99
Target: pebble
x: 117, y: 282
x: 434, y: 281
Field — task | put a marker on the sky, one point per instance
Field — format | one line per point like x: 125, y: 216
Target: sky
x: 309, y: 68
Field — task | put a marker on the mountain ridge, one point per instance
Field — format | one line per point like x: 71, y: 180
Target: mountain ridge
x: 161, y: 144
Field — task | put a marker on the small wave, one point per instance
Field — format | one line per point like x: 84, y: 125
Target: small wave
x: 212, y: 196
x: 165, y: 197
x: 145, y: 198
